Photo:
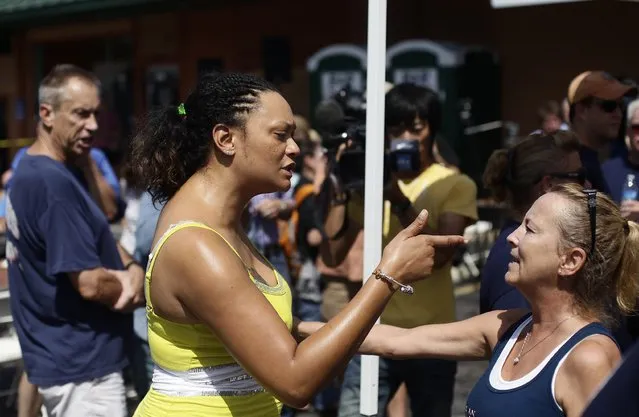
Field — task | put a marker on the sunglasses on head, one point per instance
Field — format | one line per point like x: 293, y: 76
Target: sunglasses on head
x: 592, y: 213
x: 608, y: 106
x: 578, y: 176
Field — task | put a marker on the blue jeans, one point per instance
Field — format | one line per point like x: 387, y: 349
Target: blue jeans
x: 430, y: 384
x: 307, y: 310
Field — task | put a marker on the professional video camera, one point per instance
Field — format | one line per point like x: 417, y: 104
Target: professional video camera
x: 342, y: 120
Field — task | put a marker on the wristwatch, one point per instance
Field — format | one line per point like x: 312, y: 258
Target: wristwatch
x: 131, y: 263
x: 401, y: 207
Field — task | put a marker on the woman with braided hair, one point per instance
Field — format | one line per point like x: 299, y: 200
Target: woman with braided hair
x: 219, y: 315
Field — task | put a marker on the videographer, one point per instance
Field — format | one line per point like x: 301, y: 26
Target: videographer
x: 413, y: 119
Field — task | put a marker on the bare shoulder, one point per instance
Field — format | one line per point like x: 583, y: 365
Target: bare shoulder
x: 583, y: 372
x: 498, y: 322
x: 494, y: 324
x: 192, y: 261
x: 594, y: 355
x: 196, y: 257
x: 507, y: 318
x: 193, y: 248
x: 585, y: 368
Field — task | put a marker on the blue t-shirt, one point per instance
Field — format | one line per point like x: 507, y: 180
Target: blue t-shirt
x: 54, y: 227
x: 590, y: 161
x: 615, y: 172
x: 495, y: 293
x: 96, y: 154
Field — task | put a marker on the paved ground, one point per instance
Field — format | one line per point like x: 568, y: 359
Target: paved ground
x: 467, y: 374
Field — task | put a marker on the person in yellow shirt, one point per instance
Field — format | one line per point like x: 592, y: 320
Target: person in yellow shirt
x: 220, y: 323
x: 412, y: 113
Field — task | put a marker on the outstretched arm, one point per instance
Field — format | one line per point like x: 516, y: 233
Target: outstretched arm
x: 214, y: 287
x: 471, y: 339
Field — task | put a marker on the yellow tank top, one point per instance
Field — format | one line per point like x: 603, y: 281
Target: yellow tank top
x: 194, y: 374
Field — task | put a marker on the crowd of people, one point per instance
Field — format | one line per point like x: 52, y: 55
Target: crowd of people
x: 236, y: 286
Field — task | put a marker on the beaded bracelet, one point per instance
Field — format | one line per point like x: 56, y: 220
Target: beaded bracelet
x: 406, y: 289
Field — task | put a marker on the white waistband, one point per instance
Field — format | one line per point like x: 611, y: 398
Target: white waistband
x: 225, y: 380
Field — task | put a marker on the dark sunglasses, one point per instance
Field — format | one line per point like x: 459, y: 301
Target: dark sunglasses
x: 634, y: 128
x: 578, y: 176
x: 592, y: 212
x: 608, y: 106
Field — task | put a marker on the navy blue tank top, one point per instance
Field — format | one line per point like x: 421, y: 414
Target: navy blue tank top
x: 531, y: 395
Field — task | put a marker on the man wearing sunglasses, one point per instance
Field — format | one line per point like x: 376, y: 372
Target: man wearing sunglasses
x: 595, y: 99
x: 616, y: 170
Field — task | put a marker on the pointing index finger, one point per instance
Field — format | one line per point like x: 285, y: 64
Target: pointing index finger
x: 446, y: 240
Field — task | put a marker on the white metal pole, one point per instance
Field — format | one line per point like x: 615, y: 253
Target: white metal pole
x: 373, y: 188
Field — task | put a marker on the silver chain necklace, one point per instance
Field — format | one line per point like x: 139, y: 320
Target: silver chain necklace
x: 523, y: 345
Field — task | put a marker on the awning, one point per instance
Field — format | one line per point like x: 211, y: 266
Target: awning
x: 22, y: 11
x: 501, y: 4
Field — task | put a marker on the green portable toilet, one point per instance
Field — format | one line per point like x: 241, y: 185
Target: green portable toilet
x: 468, y: 82
x: 333, y: 68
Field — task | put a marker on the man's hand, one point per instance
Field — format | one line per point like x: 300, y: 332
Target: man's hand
x: 314, y: 237
x: 630, y: 210
x: 128, y: 293
x: 132, y: 295
x: 137, y: 281
x: 270, y: 209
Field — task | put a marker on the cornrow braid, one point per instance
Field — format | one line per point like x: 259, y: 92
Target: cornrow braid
x: 170, y: 148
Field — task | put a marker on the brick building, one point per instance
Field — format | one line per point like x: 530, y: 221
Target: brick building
x: 129, y: 42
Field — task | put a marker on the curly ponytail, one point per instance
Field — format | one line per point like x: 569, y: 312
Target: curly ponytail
x: 163, y: 156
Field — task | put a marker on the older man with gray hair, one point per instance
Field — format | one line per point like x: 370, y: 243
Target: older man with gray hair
x: 71, y: 284
x: 619, y: 171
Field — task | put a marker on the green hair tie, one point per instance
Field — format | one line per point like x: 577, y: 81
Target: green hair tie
x: 181, y: 110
